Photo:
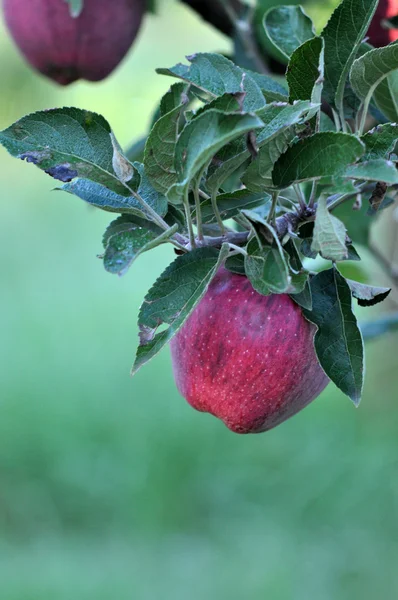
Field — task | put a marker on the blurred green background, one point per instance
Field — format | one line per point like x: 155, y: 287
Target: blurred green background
x: 113, y: 488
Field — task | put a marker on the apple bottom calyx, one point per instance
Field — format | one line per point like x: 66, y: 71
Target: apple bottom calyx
x: 246, y: 358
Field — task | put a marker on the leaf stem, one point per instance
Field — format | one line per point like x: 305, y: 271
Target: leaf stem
x: 364, y: 114
x: 299, y: 195
x: 216, y: 211
x: 154, y: 215
x: 198, y: 210
x: 271, y: 214
x: 311, y: 201
x: 237, y: 249
x: 188, y: 218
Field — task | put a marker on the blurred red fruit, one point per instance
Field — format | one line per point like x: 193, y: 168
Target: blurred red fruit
x: 246, y: 358
x: 66, y: 48
x: 379, y: 35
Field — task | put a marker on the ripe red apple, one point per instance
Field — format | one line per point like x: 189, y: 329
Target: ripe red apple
x: 379, y: 35
x: 246, y: 358
x: 66, y: 48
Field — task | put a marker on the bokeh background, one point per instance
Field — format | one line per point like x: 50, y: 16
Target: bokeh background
x: 112, y: 487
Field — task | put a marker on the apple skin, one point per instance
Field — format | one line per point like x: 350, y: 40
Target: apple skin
x: 378, y: 35
x: 65, y: 48
x: 246, y: 358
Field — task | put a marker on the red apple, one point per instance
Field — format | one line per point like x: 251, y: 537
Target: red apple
x: 379, y: 35
x: 66, y: 48
x: 246, y: 358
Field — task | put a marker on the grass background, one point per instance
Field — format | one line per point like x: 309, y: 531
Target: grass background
x: 113, y: 488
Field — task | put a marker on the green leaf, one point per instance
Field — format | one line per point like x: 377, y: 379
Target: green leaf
x: 176, y: 96
x: 305, y: 71
x: 271, y: 89
x: 75, y: 7
x: 125, y: 241
x: 367, y: 295
x: 160, y: 149
x: 216, y: 75
x: 258, y: 176
x: 343, y: 36
x: 357, y: 222
x: 229, y: 204
x: 374, y: 170
x: 380, y: 141
x: 320, y: 155
x: 66, y: 143
x: 288, y: 27
x: 338, y: 341
x: 151, y: 196
x: 369, y: 71
x: 200, y: 141
x: 236, y: 264
x: 99, y: 196
x: 267, y: 269
x: 329, y: 234
x: 386, y: 96
x: 278, y: 120
x: 227, y: 103
x: 173, y: 297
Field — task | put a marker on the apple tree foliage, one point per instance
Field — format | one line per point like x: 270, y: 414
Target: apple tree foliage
x: 241, y: 168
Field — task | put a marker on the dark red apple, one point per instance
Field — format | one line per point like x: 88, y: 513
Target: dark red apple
x: 246, y: 358
x: 66, y: 48
x: 379, y: 35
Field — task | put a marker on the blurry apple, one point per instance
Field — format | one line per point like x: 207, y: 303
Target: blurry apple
x: 246, y: 358
x: 65, y: 48
x: 379, y: 35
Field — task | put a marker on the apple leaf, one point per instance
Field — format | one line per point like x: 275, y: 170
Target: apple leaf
x: 367, y: 295
x: 380, y: 141
x: 386, y: 96
x: 357, y: 222
x: 343, y: 35
x: 152, y: 197
x: 101, y: 197
x: 236, y: 264
x: 229, y: 204
x: 287, y: 28
x: 369, y: 71
x: 277, y: 119
x: 173, y: 297
x: 374, y: 170
x: 216, y: 75
x: 305, y: 71
x: 267, y: 269
x: 66, y: 143
x: 125, y: 241
x: 160, y: 149
x: 329, y: 234
x: 322, y: 154
x: 200, y: 141
x: 258, y: 175
x: 176, y: 96
x: 338, y: 340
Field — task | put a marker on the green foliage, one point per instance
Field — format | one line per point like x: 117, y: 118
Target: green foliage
x: 338, y: 341
x: 287, y: 28
x: 239, y: 168
x: 370, y: 76
x: 173, y: 297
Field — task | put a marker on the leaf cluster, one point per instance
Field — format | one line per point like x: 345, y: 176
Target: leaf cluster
x: 243, y: 170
